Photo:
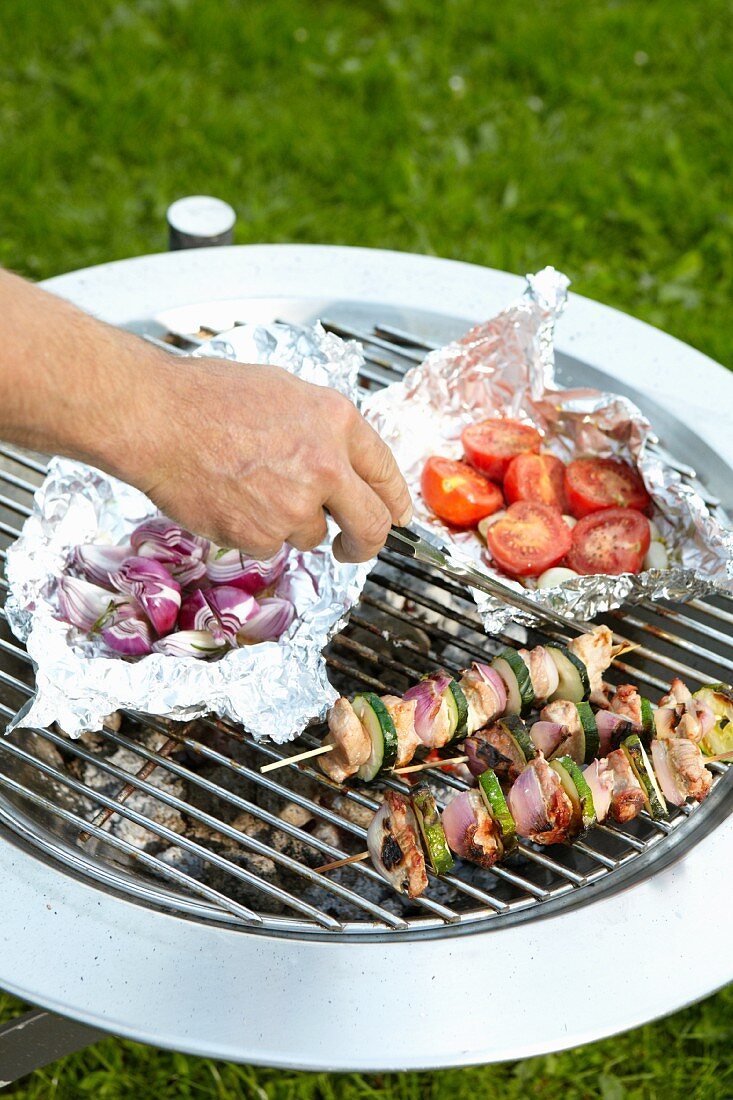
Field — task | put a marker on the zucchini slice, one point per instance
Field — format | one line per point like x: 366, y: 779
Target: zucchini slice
x: 431, y: 829
x: 515, y: 674
x: 574, y: 683
x: 590, y: 732
x: 642, y: 769
x: 377, y: 721
x: 647, y: 722
x: 719, y: 697
x: 496, y: 804
x: 515, y: 727
x: 578, y: 791
x: 458, y: 711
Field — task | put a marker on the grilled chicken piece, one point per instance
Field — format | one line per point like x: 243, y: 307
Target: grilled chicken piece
x: 678, y: 693
x: 542, y: 672
x: 394, y: 845
x: 483, y: 705
x: 541, y: 809
x: 627, y: 703
x: 627, y: 800
x: 402, y: 713
x: 564, y: 714
x: 494, y: 748
x: 595, y: 651
x: 351, y: 741
x: 680, y: 769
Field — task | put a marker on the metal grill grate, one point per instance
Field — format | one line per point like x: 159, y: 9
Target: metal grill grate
x: 180, y: 817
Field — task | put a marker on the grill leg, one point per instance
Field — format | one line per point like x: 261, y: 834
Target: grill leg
x: 32, y: 1041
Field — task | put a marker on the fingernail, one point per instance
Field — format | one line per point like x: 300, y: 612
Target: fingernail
x: 405, y: 517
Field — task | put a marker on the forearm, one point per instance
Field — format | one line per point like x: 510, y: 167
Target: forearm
x: 73, y: 385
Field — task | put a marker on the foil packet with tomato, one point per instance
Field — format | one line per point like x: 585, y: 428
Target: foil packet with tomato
x: 561, y: 493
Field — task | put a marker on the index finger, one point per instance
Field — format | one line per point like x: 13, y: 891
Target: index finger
x: 374, y: 462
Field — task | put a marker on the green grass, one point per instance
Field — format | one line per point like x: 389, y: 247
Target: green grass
x: 685, y: 1057
x: 591, y: 135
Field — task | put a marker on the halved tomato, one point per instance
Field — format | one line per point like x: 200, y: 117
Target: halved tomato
x: 613, y: 541
x: 592, y: 484
x: 536, y: 477
x: 491, y: 445
x: 456, y: 493
x: 530, y: 538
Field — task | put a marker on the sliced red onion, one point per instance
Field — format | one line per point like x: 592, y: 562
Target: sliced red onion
x: 599, y: 778
x: 85, y: 605
x: 458, y: 817
x: 196, y: 613
x: 609, y: 727
x: 189, y: 643
x: 665, y: 720
x: 154, y: 588
x: 546, y: 736
x: 130, y: 637
x: 704, y: 714
x: 269, y: 622
x: 233, y: 609
x: 183, y: 553
x: 97, y: 562
x: 665, y: 774
x: 527, y: 804
x: 492, y: 677
x: 428, y: 696
x: 234, y: 568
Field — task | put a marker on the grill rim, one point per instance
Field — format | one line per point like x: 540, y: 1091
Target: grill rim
x: 440, y: 1053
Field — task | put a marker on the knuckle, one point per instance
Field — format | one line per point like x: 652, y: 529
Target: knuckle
x: 375, y: 527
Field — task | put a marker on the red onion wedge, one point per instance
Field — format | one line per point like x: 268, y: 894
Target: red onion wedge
x: 540, y: 807
x: 97, y: 562
x: 612, y: 728
x: 470, y: 829
x: 547, y: 736
x: 492, y: 677
x: 130, y: 637
x: 665, y: 773
x: 234, y: 568
x: 150, y: 583
x: 431, y: 714
x: 599, y: 778
x: 183, y: 553
x: 394, y: 844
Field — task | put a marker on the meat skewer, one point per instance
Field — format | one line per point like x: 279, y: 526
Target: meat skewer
x: 547, y: 803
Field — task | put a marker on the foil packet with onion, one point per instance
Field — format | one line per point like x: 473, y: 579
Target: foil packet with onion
x: 122, y: 609
x: 505, y: 367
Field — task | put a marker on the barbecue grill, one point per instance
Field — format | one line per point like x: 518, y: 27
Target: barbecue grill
x: 156, y: 885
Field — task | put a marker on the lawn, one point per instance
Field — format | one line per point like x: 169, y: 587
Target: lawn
x: 594, y: 136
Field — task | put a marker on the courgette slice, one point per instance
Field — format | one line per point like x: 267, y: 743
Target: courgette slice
x: 642, y: 769
x: 647, y: 722
x: 431, y: 829
x: 573, y: 683
x: 576, y: 788
x: 496, y: 804
x: 719, y: 697
x: 377, y: 721
x: 590, y: 732
x: 515, y: 674
x: 515, y: 727
x: 458, y: 711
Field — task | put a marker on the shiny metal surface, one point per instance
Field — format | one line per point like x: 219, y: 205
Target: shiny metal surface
x: 257, y: 991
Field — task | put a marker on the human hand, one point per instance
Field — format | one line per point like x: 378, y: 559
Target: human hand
x: 251, y: 456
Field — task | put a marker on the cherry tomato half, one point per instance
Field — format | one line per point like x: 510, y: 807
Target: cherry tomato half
x: 536, y: 477
x: 613, y: 541
x: 592, y: 484
x: 530, y: 538
x: 491, y: 445
x: 458, y: 494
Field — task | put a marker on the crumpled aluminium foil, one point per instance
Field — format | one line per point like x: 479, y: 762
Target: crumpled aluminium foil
x: 273, y: 688
x: 506, y: 367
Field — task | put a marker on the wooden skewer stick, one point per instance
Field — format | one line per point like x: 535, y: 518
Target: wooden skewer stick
x: 625, y: 647
x: 274, y: 764
x: 341, y: 863
x: 429, y: 764
x: 721, y: 756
